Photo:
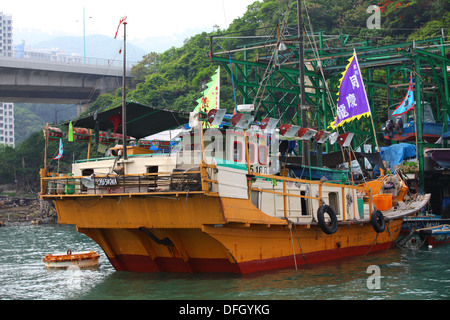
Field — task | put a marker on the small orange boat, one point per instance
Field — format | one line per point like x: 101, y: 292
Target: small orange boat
x: 84, y: 259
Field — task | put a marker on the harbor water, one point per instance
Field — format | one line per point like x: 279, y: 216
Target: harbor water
x: 397, y: 274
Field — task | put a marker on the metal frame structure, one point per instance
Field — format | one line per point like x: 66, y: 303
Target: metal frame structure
x: 267, y: 75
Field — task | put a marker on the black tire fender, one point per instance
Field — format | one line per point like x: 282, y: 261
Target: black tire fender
x: 377, y: 220
x: 327, y: 228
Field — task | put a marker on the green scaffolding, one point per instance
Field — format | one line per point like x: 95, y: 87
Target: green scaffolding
x: 266, y: 74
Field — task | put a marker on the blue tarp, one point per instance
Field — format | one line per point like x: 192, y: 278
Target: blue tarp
x: 395, y: 155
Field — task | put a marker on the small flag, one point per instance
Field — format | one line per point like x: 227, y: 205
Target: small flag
x: 122, y: 20
x: 116, y: 120
x: 352, y: 100
x: 60, y: 153
x: 408, y: 101
x: 70, y: 134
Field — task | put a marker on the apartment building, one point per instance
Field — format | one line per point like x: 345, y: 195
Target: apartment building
x: 6, y: 35
x: 6, y: 108
x: 7, y: 124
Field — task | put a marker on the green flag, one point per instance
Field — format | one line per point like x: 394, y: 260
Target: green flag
x: 70, y: 134
x: 211, y: 96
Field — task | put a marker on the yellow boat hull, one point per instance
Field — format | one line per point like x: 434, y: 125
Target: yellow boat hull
x: 204, y: 233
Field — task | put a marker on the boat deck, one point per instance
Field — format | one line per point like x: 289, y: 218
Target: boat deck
x: 284, y: 201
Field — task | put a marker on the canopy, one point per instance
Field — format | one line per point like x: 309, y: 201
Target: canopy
x: 142, y: 120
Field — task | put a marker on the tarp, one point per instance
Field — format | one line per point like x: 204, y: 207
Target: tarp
x: 396, y: 153
x: 142, y: 120
x: 374, y: 157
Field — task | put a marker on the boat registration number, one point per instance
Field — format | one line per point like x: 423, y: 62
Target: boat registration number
x: 259, y: 169
x: 106, y: 182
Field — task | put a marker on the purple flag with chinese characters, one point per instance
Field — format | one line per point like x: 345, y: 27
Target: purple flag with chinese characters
x: 352, y: 98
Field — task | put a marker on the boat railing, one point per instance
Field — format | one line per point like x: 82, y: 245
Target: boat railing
x: 318, y: 196
x: 178, y: 181
x: 196, y: 180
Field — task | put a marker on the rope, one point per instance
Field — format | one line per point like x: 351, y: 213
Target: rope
x: 293, y: 249
x: 229, y: 55
x: 373, y: 244
x: 319, y: 63
x: 390, y: 235
x: 401, y: 242
x: 301, y: 250
x: 268, y: 70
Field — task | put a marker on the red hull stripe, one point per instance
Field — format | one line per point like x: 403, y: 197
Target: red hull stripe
x: 138, y: 263
x: 433, y: 241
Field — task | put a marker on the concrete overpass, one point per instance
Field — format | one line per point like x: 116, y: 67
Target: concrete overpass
x: 24, y: 80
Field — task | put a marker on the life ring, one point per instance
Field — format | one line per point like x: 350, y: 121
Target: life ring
x: 69, y: 252
x: 327, y: 228
x: 377, y: 220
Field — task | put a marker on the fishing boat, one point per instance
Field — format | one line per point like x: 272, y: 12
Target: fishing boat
x: 435, y: 235
x: 441, y: 156
x: 413, y: 223
x: 431, y: 131
x: 403, y: 129
x: 216, y: 207
x: 219, y: 200
x: 82, y: 259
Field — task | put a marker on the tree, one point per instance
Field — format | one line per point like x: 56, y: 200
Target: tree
x: 148, y: 65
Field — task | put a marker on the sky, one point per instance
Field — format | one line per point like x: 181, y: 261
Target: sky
x: 151, y: 18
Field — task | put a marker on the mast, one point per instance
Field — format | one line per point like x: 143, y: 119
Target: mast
x: 124, y: 93
x: 302, y: 106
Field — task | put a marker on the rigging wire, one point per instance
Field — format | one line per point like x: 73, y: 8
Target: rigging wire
x: 229, y: 56
x: 268, y: 72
